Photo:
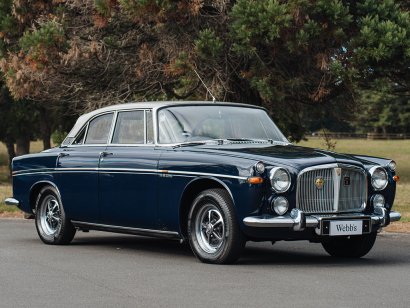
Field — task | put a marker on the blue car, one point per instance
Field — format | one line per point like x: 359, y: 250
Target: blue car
x: 216, y: 174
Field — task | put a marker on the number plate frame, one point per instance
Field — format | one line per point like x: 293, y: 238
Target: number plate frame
x: 327, y: 224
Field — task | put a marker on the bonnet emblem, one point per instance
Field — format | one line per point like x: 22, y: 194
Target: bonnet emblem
x: 319, y: 182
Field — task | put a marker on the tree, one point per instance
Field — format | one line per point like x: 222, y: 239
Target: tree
x: 18, y: 124
x: 289, y: 56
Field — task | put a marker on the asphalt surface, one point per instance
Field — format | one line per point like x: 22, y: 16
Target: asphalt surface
x: 101, y: 269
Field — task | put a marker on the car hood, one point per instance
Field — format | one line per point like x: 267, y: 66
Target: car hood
x: 289, y: 155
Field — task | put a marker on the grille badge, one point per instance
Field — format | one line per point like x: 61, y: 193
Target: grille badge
x: 346, y: 180
x: 338, y: 171
x: 319, y: 182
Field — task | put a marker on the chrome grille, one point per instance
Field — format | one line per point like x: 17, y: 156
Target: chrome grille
x: 333, y: 196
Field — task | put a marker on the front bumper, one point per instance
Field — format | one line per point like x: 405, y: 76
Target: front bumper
x: 298, y: 221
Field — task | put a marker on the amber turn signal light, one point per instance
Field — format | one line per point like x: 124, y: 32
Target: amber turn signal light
x: 255, y: 180
x: 396, y: 178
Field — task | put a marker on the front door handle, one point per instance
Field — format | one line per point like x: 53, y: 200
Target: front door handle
x: 103, y: 154
x: 63, y: 154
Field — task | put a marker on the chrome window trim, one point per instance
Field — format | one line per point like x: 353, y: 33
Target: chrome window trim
x: 336, y: 183
x: 112, y: 127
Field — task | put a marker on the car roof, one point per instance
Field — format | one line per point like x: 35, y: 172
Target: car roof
x: 82, y: 120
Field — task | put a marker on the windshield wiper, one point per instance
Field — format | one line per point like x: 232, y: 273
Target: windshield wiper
x: 240, y: 139
x: 188, y: 144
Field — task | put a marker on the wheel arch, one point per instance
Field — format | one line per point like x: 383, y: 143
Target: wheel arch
x: 35, y: 190
x: 191, y: 190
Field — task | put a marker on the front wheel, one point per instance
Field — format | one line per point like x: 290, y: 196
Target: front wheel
x: 213, y: 229
x: 354, y: 246
x: 53, y: 226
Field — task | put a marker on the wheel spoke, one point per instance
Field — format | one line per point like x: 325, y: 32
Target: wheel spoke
x: 219, y: 221
x: 209, y: 238
x: 56, y: 218
x: 218, y: 237
x: 209, y: 216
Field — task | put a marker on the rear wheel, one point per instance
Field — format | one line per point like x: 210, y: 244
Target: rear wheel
x: 354, y: 246
x: 52, y: 225
x: 213, y: 229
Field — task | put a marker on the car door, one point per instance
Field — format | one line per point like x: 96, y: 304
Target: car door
x: 77, y: 169
x: 128, y: 173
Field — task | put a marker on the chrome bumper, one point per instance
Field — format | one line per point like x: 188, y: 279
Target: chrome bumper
x: 12, y: 201
x: 298, y: 221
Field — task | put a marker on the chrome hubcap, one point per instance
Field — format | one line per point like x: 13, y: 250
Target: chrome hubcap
x: 210, y: 228
x: 50, y: 215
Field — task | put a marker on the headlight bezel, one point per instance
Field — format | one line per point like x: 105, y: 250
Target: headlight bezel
x: 273, y: 180
x: 372, y: 172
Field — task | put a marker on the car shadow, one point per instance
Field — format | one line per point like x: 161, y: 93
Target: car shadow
x: 254, y: 254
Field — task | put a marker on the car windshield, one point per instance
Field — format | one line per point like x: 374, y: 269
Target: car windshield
x: 199, y: 123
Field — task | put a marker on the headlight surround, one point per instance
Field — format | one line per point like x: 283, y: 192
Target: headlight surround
x: 379, y: 178
x: 392, y: 166
x: 280, y: 205
x: 279, y: 179
x: 378, y: 201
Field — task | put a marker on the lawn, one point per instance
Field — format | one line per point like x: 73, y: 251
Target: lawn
x: 398, y: 150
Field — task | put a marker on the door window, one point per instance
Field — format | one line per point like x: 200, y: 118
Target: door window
x: 99, y: 129
x: 129, y: 128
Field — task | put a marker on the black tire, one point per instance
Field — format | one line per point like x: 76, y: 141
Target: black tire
x: 53, y: 226
x: 351, y: 247
x: 213, y: 229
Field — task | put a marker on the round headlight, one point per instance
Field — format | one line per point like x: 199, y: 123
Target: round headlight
x: 279, y: 179
x: 392, y: 166
x: 260, y: 167
x: 378, y: 200
x: 280, y: 205
x: 379, y: 178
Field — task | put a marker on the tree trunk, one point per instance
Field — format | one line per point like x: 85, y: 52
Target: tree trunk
x: 11, y: 154
x: 45, y: 128
x: 241, y: 93
x: 22, y: 146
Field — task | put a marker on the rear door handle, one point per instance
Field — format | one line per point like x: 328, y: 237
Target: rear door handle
x: 63, y: 154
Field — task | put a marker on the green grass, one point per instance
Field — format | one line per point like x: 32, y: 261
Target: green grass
x: 398, y: 150
x: 5, y: 192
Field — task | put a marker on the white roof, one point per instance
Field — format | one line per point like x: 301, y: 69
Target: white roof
x: 82, y: 120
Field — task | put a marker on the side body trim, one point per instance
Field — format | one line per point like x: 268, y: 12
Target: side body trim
x: 127, y: 230
x: 125, y: 170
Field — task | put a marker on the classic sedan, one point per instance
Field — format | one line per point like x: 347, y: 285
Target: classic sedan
x: 216, y: 174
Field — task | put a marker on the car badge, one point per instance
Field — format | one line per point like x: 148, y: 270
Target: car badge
x: 346, y: 180
x: 319, y: 182
x: 338, y: 171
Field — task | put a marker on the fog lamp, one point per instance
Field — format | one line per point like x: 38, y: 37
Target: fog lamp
x: 280, y: 205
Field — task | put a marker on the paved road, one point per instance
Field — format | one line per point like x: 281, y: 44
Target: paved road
x: 108, y: 270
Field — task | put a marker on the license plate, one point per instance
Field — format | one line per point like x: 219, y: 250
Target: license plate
x: 345, y: 227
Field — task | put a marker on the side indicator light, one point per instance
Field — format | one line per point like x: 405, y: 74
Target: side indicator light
x: 255, y: 180
x: 396, y: 178
x: 14, y: 172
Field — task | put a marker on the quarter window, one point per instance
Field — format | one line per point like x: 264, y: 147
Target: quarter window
x: 99, y: 129
x: 80, y: 139
x: 129, y: 128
